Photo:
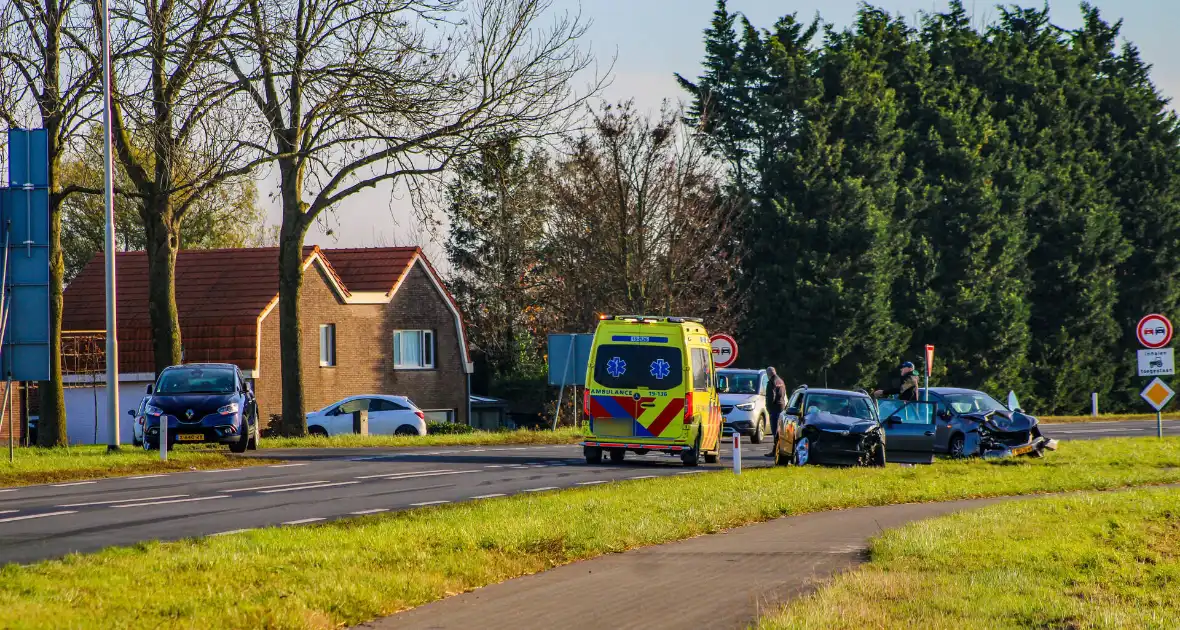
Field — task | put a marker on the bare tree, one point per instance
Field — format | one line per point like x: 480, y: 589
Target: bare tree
x: 47, y: 75
x: 178, y: 130
x: 360, y: 93
x: 640, y: 225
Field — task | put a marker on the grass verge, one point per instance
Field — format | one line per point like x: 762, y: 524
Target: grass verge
x: 56, y: 465
x: 1090, y: 561
x: 350, y: 571
x: 477, y: 438
x: 1112, y: 417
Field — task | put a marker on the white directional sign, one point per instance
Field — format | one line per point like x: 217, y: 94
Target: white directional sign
x: 1157, y: 393
x: 1157, y: 362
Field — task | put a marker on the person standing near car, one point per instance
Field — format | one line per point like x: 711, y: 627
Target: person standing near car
x: 905, y: 386
x: 776, y: 401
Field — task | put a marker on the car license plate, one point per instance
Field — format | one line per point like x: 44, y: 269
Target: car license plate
x: 190, y: 437
x: 1022, y: 450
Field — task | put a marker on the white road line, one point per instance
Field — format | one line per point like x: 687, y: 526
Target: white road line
x: 9, y: 490
x: 476, y: 450
x: 127, y: 505
x: 495, y: 466
x: 13, y: 519
x: 285, y: 465
x: 488, y: 496
x: 643, y: 477
x: 434, y: 474
x: 221, y: 470
x: 413, y: 472
x: 690, y: 472
x: 141, y: 499
x: 76, y: 483
x: 426, y: 503
x: 519, y: 466
x: 281, y: 485
x: 8, y: 511
x: 145, y: 477
x: 373, y: 511
x: 541, y: 489
x: 592, y: 483
x: 303, y: 521
x: 232, y: 531
x: 322, y: 485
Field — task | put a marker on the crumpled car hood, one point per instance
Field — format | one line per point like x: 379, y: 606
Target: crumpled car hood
x: 1004, y: 420
x: 825, y: 421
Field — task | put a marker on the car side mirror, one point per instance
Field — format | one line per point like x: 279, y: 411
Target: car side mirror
x: 149, y: 388
x: 945, y: 414
x: 893, y: 420
x: 131, y: 413
x: 794, y: 411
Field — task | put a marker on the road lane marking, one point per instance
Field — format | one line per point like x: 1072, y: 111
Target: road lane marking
x: 221, y: 470
x: 76, y: 483
x: 233, y: 531
x: 145, y: 477
x: 13, y: 519
x: 303, y: 521
x: 372, y: 511
x: 9, y: 511
x: 141, y: 499
x: 592, y: 483
x: 495, y: 466
x: 281, y: 485
x: 285, y: 465
x: 426, y: 503
x: 541, y: 489
x: 690, y: 472
x: 322, y: 485
x: 412, y: 472
x: 403, y: 477
x: 127, y: 505
x: 9, y: 490
x: 476, y: 450
x: 643, y: 477
x: 488, y: 496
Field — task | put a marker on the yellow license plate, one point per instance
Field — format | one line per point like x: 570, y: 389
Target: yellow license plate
x: 1022, y: 450
x: 190, y: 437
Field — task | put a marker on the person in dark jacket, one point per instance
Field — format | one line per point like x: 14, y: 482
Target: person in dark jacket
x: 905, y: 386
x: 776, y: 402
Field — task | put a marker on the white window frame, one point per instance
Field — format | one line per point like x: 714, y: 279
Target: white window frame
x: 328, y: 350
x: 426, y: 348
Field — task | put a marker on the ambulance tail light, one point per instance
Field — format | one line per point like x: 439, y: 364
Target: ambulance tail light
x: 688, y: 408
x: 586, y: 401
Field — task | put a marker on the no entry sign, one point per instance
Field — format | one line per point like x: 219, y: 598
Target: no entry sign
x: 1154, y: 331
x: 724, y: 350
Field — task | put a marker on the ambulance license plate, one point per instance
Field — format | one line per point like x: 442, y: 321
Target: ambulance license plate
x: 190, y: 437
x: 1022, y: 450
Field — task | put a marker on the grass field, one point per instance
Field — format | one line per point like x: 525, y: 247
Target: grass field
x: 1090, y: 561
x: 347, y: 572
x: 478, y: 438
x: 55, y: 465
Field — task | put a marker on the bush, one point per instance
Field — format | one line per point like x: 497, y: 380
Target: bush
x: 448, y: 428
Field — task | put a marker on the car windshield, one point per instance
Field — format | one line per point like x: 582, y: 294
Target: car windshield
x: 196, y: 381
x: 849, y: 406
x: 974, y: 402
x: 623, y: 366
x: 737, y: 382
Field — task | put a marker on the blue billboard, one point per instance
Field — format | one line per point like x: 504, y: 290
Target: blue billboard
x: 569, y: 355
x: 24, y: 262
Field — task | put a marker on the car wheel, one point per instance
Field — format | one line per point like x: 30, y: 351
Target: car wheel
x: 253, y: 445
x: 756, y: 437
x: 692, y: 457
x: 593, y: 454
x: 878, y: 460
x: 406, y: 429
x: 242, y: 444
x: 317, y: 431
x: 147, y: 446
x: 617, y: 455
x: 712, y: 458
x: 802, y: 452
x: 957, y: 446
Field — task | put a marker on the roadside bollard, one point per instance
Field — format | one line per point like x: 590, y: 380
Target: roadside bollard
x: 163, y: 438
x: 1094, y: 404
x: 737, y: 453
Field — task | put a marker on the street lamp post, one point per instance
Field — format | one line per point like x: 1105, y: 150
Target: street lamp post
x: 112, y: 350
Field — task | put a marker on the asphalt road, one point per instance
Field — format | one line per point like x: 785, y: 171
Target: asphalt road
x: 315, y: 485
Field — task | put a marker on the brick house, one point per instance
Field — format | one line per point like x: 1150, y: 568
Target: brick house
x: 374, y: 320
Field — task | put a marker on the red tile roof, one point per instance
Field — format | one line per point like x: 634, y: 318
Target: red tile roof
x: 220, y: 296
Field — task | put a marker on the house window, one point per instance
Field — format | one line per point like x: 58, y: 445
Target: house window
x: 327, y: 345
x: 413, y: 349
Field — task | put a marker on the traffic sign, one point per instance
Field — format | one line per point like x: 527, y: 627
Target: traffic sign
x: 1157, y: 394
x: 929, y: 359
x: 1154, y: 331
x: 1156, y: 362
x: 724, y: 350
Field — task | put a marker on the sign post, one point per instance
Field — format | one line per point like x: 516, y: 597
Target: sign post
x: 725, y: 350
x: 1154, y: 332
x: 1158, y: 394
x: 737, y: 453
x: 929, y: 364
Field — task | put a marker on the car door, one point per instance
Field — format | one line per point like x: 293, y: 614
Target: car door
x: 909, y: 430
x: 942, y: 423
x: 341, y: 418
x: 384, y: 416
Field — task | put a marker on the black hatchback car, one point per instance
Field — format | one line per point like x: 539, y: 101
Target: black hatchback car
x: 202, y: 403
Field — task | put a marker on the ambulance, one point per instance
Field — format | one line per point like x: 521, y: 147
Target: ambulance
x: 651, y: 387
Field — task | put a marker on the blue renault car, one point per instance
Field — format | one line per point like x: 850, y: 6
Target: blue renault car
x: 203, y: 403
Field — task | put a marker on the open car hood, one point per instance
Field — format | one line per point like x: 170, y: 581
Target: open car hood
x: 831, y: 422
x: 1003, y: 420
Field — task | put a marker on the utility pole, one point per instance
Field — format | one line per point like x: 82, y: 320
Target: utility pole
x: 109, y: 201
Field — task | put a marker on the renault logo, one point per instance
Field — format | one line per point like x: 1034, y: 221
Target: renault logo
x: 189, y: 414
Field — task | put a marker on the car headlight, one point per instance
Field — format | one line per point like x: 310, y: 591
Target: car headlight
x: 152, y: 410
x: 746, y: 406
x: 228, y: 409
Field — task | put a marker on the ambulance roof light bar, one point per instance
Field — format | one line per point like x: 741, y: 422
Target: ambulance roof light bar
x: 650, y: 319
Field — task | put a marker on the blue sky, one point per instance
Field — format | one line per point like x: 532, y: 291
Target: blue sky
x: 650, y: 40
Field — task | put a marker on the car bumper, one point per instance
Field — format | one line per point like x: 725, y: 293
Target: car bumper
x: 211, y: 430
x: 635, y: 446
x: 1033, y: 447
x: 741, y: 421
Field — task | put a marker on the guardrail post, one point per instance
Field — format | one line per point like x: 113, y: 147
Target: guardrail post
x: 1094, y: 404
x: 737, y: 453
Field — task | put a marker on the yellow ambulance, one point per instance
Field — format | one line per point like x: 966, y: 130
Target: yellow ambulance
x: 650, y: 386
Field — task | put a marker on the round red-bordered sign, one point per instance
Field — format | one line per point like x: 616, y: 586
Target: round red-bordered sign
x: 724, y: 350
x: 1154, y: 331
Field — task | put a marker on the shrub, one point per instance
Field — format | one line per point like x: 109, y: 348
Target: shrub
x: 448, y: 428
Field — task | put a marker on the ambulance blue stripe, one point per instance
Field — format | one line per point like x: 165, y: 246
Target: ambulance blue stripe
x: 612, y: 407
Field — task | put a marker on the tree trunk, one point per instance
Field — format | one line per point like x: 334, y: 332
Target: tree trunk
x: 51, y: 428
x: 163, y: 240
x: 290, y: 341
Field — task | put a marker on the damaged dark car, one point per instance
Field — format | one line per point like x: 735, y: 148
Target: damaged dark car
x: 973, y: 424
